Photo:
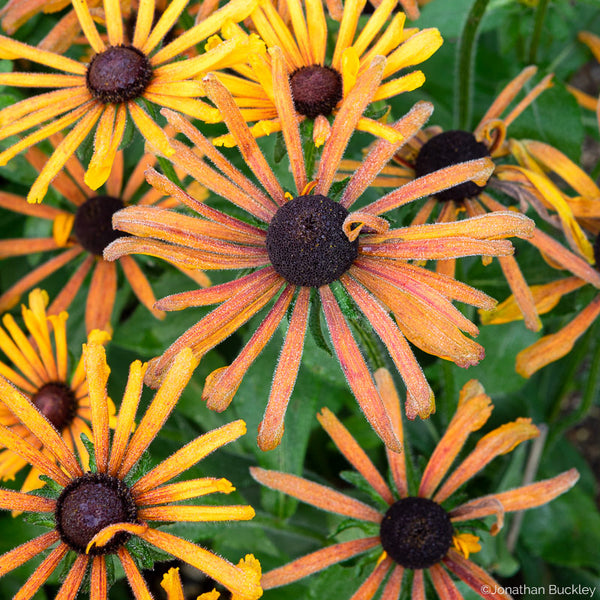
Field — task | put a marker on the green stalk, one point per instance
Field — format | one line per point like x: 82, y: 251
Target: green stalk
x: 464, y: 62
x: 592, y: 388
x: 540, y: 15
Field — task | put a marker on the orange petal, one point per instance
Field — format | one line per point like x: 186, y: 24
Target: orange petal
x: 196, y: 513
x: 472, y: 413
x: 189, y: 455
x: 391, y: 400
x: 356, y: 371
x: 160, y: 408
x: 382, y: 151
x: 443, y: 584
x: 369, y: 587
x: 244, y: 139
x: 270, y: 430
x: 354, y: 454
x: 97, y: 372
x: 240, y: 582
x: 219, y: 393
x: 126, y: 416
x: 184, y: 490
x: 552, y: 347
x: 321, y: 496
x: 20, y: 555
x: 499, y: 441
x: 134, y: 577
x: 420, y: 396
x: 41, y: 574
x: 345, y: 122
x: 475, y: 577
x: 478, y: 171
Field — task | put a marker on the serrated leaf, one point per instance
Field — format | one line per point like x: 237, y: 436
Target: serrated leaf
x: 358, y: 481
x: 89, y: 446
x: 345, y: 302
x: 314, y: 323
x: 371, y: 529
x: 42, y: 519
x: 140, y: 468
x: 279, y: 149
x: 337, y: 188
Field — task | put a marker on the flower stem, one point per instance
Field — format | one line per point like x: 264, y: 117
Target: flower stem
x: 592, y: 388
x: 540, y: 15
x: 464, y: 62
x: 533, y: 462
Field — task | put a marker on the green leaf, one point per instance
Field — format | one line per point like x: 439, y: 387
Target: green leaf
x: 357, y: 480
x: 89, y: 446
x: 279, y: 150
x: 314, y: 322
x: 337, y: 188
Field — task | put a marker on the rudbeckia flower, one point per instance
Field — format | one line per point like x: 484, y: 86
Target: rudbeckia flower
x: 84, y: 229
x: 432, y: 149
x: 106, y: 90
x: 320, y: 85
x: 95, y: 513
x: 417, y: 532
x: 39, y: 370
x: 592, y: 41
x: 171, y: 581
x: 552, y: 347
x: 310, y: 244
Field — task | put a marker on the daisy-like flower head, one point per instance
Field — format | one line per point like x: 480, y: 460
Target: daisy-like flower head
x: 312, y: 245
x: 319, y: 85
x: 171, y: 581
x: 96, y: 512
x: 552, y: 347
x: 110, y: 86
x: 84, y: 229
x: 39, y: 370
x: 432, y: 149
x: 592, y: 41
x: 417, y: 532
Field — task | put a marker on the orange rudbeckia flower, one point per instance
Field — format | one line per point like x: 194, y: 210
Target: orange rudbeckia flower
x: 109, y: 88
x: 39, y: 370
x: 80, y: 232
x: 310, y: 245
x: 418, y: 532
x: 95, y: 513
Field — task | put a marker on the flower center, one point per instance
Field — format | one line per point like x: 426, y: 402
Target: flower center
x: 306, y: 243
x: 89, y: 504
x: 56, y: 401
x: 447, y: 149
x: 93, y: 223
x: 118, y: 74
x: 416, y: 532
x: 316, y: 90
x: 597, y: 253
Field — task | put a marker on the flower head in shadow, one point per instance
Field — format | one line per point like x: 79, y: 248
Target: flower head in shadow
x: 80, y: 232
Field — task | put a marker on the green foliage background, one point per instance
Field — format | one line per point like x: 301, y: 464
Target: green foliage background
x: 558, y: 543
